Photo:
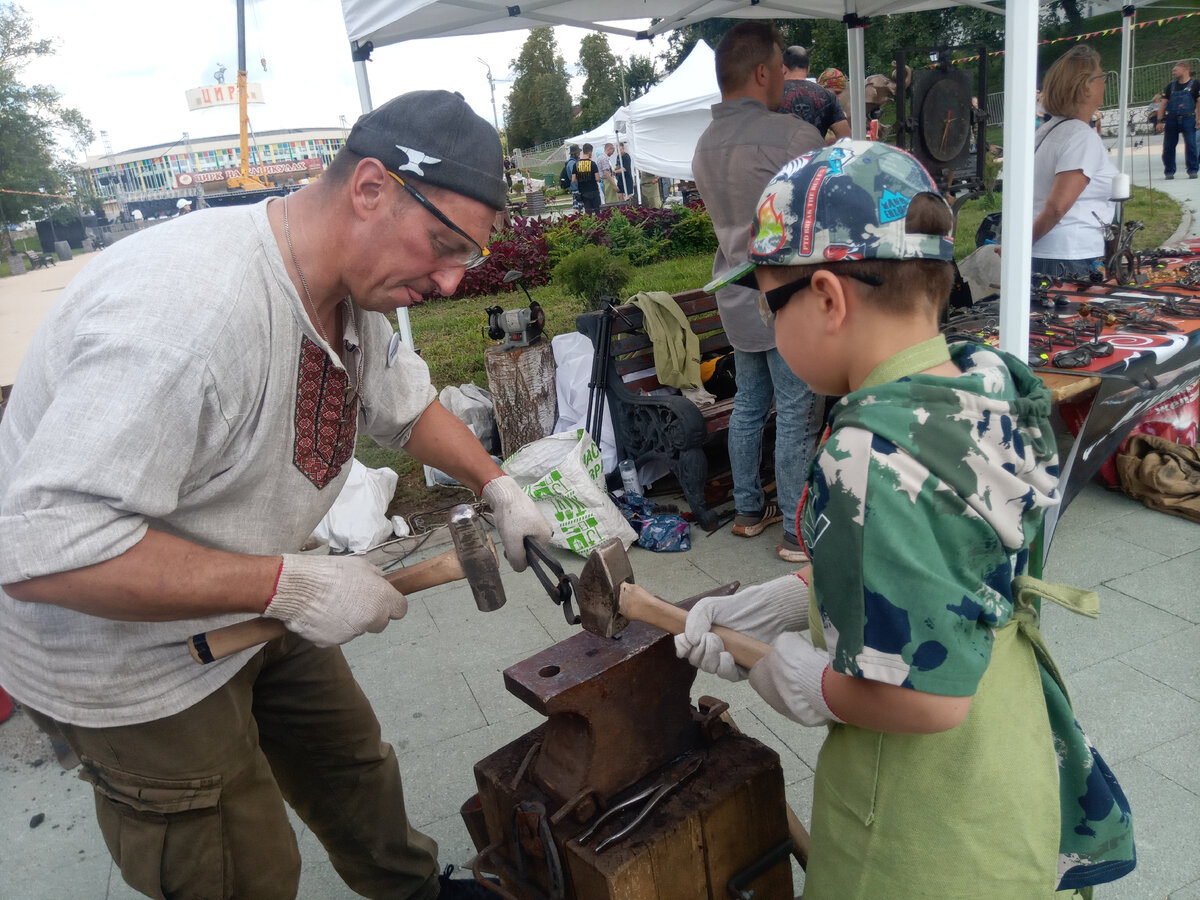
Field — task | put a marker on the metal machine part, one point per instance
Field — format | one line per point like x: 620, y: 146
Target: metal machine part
x: 516, y: 327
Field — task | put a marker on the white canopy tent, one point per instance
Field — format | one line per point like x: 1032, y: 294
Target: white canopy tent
x: 662, y: 126
x: 375, y: 23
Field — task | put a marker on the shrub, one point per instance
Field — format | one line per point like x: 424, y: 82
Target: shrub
x: 593, y: 272
x: 693, y: 233
x: 574, y: 232
x: 632, y: 242
x: 522, y: 247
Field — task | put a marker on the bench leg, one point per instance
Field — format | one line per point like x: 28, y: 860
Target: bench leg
x: 691, y: 470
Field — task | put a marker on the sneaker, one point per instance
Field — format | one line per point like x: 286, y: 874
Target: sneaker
x: 1191, y: 174
x: 463, y: 888
x: 756, y: 523
x: 790, y: 550
x: 1170, y: 177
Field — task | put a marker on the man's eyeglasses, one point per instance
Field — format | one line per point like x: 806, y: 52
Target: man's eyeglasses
x: 778, y: 297
x: 471, y: 257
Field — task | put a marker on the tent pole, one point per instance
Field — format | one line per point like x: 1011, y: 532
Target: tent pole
x: 855, y: 29
x: 1123, y: 94
x: 1020, y: 85
x: 360, y: 55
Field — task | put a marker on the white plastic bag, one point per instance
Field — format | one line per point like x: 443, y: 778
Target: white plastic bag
x: 565, y: 477
x: 357, y: 520
x: 473, y: 405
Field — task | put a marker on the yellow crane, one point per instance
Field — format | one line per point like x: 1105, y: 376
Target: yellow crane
x: 244, y: 180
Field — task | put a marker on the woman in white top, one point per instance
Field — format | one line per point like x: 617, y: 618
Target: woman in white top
x: 1072, y: 174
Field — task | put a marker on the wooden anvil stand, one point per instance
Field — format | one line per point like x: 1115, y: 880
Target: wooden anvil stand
x: 618, y: 716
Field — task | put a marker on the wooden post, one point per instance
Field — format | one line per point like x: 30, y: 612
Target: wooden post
x: 521, y: 381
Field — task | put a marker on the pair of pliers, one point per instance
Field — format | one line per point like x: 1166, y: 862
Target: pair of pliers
x: 678, y: 772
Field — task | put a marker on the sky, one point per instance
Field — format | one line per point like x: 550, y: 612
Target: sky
x: 125, y: 66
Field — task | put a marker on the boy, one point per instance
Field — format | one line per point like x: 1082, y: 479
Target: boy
x: 953, y: 766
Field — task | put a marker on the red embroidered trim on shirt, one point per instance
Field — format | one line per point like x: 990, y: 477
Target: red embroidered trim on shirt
x: 325, y: 421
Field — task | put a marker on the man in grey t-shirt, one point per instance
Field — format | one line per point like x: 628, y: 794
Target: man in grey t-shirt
x: 740, y: 151
x: 181, y: 423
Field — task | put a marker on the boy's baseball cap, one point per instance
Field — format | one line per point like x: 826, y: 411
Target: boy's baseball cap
x: 845, y: 202
x: 435, y: 138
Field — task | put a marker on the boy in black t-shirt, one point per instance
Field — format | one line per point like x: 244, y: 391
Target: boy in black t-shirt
x: 584, y: 178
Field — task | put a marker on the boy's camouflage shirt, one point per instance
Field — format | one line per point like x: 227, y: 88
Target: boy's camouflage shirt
x: 920, y: 510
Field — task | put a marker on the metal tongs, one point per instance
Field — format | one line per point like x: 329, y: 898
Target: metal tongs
x: 676, y: 774
x: 562, y: 590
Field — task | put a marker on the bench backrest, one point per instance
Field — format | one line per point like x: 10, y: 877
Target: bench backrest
x: 632, y: 353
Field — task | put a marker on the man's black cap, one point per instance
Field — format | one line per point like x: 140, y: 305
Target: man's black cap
x: 435, y: 138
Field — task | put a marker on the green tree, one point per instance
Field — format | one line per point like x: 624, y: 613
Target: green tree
x: 539, y: 105
x: 602, y: 83
x: 640, y: 76
x: 33, y: 125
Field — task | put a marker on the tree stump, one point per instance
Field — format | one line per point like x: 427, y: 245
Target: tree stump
x: 521, y: 381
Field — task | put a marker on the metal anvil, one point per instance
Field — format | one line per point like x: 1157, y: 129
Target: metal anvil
x: 618, y: 709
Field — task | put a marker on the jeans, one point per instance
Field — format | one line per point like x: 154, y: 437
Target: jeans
x: 761, y: 376
x: 1173, y: 127
x: 192, y: 805
x: 1062, y: 268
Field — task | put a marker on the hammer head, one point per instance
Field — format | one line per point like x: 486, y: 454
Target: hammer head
x: 600, y: 588
x: 477, y: 556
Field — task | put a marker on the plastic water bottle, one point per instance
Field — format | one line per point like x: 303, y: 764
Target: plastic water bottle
x: 629, y: 477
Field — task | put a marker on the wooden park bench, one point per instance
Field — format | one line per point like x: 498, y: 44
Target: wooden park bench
x: 40, y: 260
x: 663, y: 426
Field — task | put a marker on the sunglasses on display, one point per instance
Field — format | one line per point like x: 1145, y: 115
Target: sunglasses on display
x: 470, y: 258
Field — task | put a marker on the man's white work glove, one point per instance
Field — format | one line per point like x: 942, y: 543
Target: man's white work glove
x: 761, y: 611
x: 331, y: 599
x: 517, y: 517
x: 791, y: 678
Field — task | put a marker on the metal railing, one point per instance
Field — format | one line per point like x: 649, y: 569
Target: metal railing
x: 1145, y: 82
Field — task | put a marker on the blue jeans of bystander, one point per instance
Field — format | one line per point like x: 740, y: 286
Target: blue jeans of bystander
x: 761, y: 376
x: 1173, y: 127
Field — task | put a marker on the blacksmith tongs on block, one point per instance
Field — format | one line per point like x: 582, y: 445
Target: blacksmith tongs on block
x: 676, y: 774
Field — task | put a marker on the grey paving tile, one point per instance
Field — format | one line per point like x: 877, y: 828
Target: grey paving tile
x: 1095, y: 504
x: 1168, y: 535
x: 1174, y: 660
x: 1177, y: 761
x: 805, y: 742
x: 1085, y: 559
x: 1126, y: 713
x: 1169, y: 585
x: 1189, y: 892
x: 438, y: 778
x: 1078, y: 642
x: 1164, y: 823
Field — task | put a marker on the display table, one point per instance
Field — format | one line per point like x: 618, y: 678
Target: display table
x: 1154, y: 334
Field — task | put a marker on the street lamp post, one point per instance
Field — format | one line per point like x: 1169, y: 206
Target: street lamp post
x: 492, y: 85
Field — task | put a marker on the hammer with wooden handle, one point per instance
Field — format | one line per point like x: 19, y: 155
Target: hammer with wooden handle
x: 473, y: 558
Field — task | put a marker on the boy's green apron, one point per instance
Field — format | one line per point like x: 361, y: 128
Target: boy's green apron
x: 886, y: 818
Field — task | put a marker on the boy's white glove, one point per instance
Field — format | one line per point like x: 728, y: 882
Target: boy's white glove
x: 517, y: 517
x: 761, y: 611
x: 790, y: 678
x: 331, y: 599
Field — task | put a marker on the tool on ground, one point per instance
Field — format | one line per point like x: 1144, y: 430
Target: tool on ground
x: 674, y: 775
x: 473, y: 558
x: 516, y: 327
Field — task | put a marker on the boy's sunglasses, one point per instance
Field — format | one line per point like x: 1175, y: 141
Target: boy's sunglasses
x: 778, y: 297
x: 474, y: 255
